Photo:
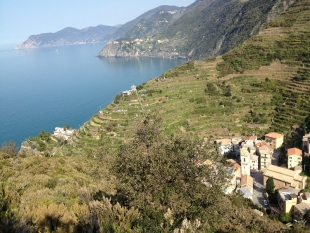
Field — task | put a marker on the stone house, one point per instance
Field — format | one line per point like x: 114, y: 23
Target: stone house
x: 275, y: 139
x: 303, y: 206
x: 300, y: 210
x: 294, y: 157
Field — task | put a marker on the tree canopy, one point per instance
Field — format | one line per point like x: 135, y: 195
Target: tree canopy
x: 161, y: 176
x: 270, y: 186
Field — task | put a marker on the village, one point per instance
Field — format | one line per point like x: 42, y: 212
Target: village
x: 252, y: 163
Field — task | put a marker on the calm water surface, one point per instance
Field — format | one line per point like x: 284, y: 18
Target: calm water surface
x: 45, y: 88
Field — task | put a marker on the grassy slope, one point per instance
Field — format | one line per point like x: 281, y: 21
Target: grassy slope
x: 194, y: 97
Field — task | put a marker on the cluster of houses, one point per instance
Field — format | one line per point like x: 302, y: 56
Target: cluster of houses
x: 63, y: 133
x: 263, y: 155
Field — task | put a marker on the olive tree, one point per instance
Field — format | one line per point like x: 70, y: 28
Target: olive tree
x: 163, y: 177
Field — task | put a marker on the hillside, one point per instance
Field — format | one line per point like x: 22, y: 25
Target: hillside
x: 69, y: 36
x: 206, y: 29
x: 131, y: 168
x: 261, y: 85
x: 144, y: 22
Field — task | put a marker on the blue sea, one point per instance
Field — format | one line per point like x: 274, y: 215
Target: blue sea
x: 48, y: 87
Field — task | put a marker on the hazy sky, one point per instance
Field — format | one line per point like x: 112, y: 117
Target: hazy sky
x: 21, y: 18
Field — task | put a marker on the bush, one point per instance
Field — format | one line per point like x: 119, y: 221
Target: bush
x: 117, y: 98
x: 52, y: 183
x: 285, y: 217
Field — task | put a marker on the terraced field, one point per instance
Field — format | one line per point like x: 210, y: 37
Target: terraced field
x: 262, y: 85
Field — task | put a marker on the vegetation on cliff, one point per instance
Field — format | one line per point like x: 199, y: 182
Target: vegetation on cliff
x: 159, y: 187
x: 207, y: 28
x: 132, y: 167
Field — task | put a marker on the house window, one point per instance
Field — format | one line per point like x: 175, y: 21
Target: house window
x: 243, y: 159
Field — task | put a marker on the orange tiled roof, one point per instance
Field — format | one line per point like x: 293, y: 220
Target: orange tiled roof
x: 236, y: 165
x: 260, y: 144
x: 250, y: 138
x: 294, y: 151
x: 295, y: 126
x: 274, y: 135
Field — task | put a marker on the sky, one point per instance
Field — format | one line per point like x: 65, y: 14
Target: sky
x: 20, y: 18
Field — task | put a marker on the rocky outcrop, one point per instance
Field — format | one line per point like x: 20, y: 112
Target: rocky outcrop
x: 138, y: 48
x: 29, y: 148
x: 70, y: 36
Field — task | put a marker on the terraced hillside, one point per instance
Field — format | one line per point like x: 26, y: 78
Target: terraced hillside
x: 287, y: 41
x: 189, y: 98
x: 261, y: 85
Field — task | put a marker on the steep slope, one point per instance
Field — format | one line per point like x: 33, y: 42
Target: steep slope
x: 68, y: 36
x: 261, y: 85
x: 208, y: 28
x: 287, y: 41
x: 121, y: 32
x: 157, y: 23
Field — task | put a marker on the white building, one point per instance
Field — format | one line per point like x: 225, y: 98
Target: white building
x: 63, y: 133
x: 294, y: 157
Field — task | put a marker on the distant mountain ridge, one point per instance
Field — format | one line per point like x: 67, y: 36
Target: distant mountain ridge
x: 69, y: 36
x: 149, y: 23
x: 206, y: 28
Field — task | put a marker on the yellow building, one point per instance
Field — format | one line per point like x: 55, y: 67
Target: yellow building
x: 275, y: 139
x: 284, y: 177
x: 265, y: 155
x: 294, y: 157
x: 287, y: 198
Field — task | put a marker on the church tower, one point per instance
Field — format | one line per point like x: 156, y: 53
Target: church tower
x: 245, y: 157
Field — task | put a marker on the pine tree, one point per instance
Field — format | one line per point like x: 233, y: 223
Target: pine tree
x: 270, y: 186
